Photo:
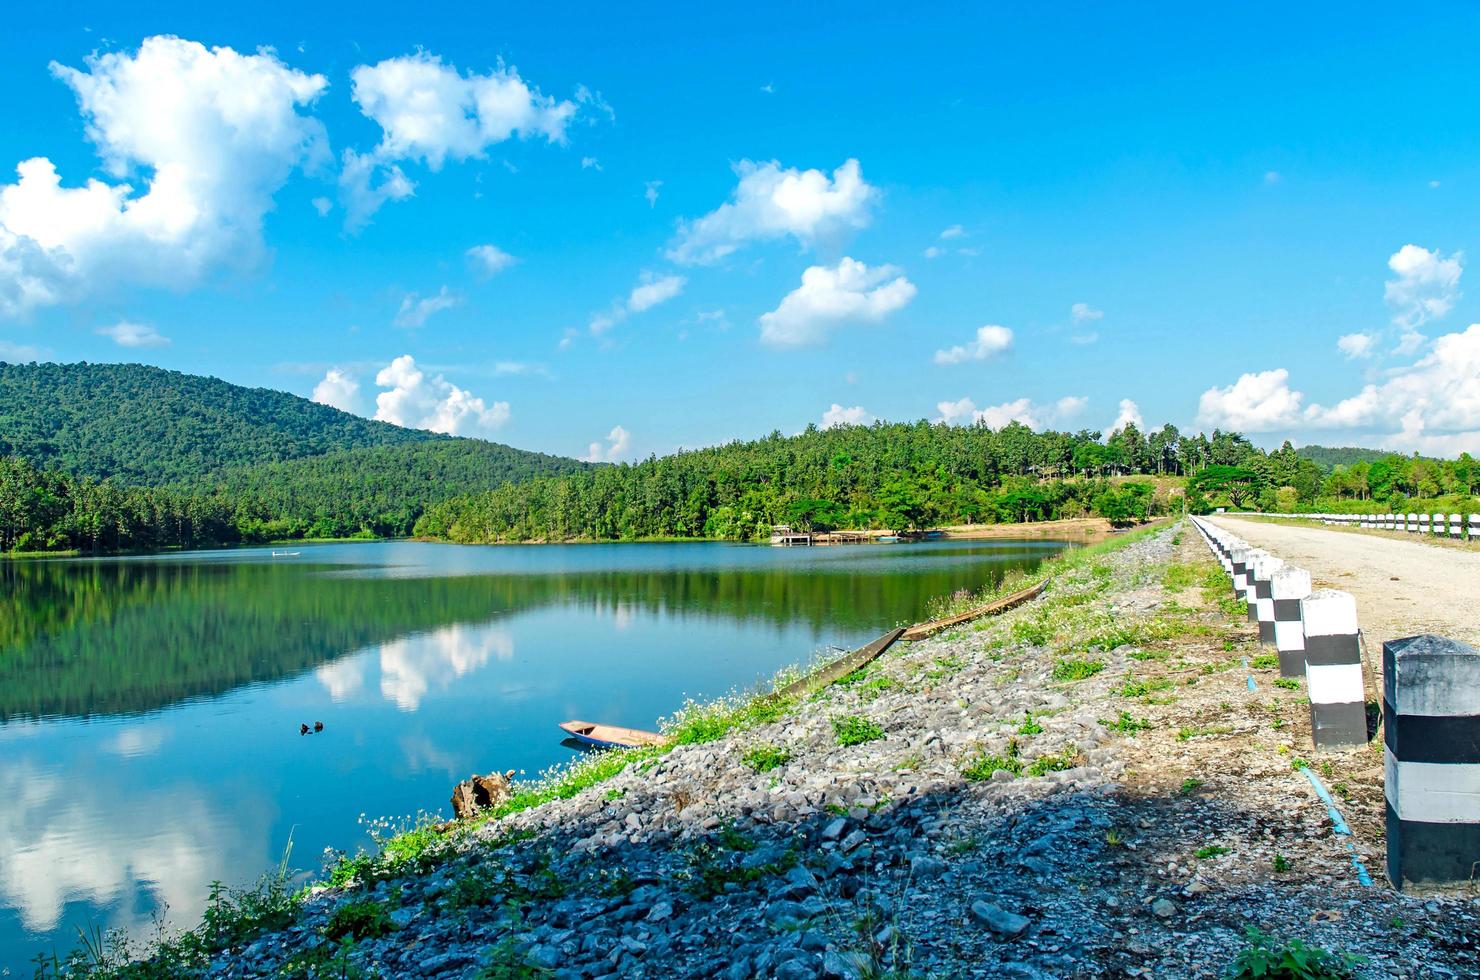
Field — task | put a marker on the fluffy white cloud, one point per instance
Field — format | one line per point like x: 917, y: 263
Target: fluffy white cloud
x: 490, y: 260
x: 650, y: 191
x: 838, y: 415
x: 338, y: 389
x: 649, y: 294
x: 211, y: 134
x: 127, y: 334
x: 954, y: 231
x: 990, y: 341
x: 1255, y: 403
x: 1084, y: 313
x: 1355, y: 345
x: 416, y: 309
x: 832, y: 295
x: 1426, y: 286
x: 431, y: 112
x: 964, y: 412
x: 417, y: 401
x: 617, y: 442
x: 1130, y: 414
x: 18, y: 352
x: 934, y: 252
x: 770, y: 202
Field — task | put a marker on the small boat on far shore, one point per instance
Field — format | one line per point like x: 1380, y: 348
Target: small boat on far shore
x: 611, y: 736
x: 286, y: 554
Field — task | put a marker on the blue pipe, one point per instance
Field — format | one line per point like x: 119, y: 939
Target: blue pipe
x: 1338, y: 825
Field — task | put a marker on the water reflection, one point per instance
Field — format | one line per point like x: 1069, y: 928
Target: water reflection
x: 149, y: 709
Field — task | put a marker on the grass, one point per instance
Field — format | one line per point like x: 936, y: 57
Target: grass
x: 1029, y: 726
x: 1211, y: 851
x: 764, y: 758
x: 1190, y: 785
x: 1187, y: 733
x: 1288, y: 683
x: 1076, y: 668
x: 983, y: 765
x: 1126, y: 724
x: 853, y: 730
x: 1266, y: 958
x: 363, y: 919
x: 1265, y: 661
x: 1133, y: 688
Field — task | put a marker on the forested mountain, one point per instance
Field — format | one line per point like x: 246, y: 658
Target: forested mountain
x: 901, y: 475
x: 1330, y: 457
x: 145, y: 426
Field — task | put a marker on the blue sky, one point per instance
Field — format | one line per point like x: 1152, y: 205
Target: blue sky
x: 705, y: 226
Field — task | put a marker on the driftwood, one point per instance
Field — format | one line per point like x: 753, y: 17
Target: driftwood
x: 838, y: 669
x: 481, y: 793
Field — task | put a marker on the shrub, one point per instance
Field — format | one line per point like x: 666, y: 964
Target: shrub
x: 1266, y: 959
x: 853, y: 730
x: 365, y: 919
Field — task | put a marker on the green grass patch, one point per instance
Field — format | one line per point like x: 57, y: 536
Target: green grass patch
x: 1211, y: 851
x: 1076, y: 668
x: 853, y: 730
x: 364, y: 919
x: 764, y: 758
x: 1126, y: 724
x: 1029, y: 726
x: 1187, y: 733
x: 1288, y: 683
x: 1133, y: 688
x: 1265, y: 661
x: 1266, y: 958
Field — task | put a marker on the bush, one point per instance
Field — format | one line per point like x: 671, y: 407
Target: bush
x: 364, y: 919
x: 1265, y: 959
x: 764, y: 758
x: 853, y: 730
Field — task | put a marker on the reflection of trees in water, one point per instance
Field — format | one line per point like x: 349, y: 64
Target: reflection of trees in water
x: 79, y: 638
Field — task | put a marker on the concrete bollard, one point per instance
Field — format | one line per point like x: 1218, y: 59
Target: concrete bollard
x: 1263, y: 608
x: 1431, y: 758
x: 1287, y: 587
x: 1423, y: 523
x: 1474, y: 526
x: 1333, y: 670
x: 1411, y: 525
x: 1240, y: 570
x: 1251, y: 578
x: 1456, y: 527
x: 1438, y: 523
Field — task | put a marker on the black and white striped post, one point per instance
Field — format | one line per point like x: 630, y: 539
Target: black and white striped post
x: 1287, y: 587
x: 1333, y: 669
x: 1474, y: 526
x: 1263, y: 604
x: 1456, y: 527
x: 1431, y: 756
x: 1240, y: 573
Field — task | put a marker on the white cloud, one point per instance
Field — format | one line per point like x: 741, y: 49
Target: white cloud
x: 339, y: 390
x: 934, y: 252
x: 1272, y: 177
x: 833, y: 295
x: 963, y: 411
x: 127, y: 334
x: 18, y: 352
x: 1130, y: 414
x: 649, y: 294
x: 210, y: 134
x: 1355, y: 345
x: 417, y: 401
x: 954, y: 231
x: 417, y: 665
x: 838, y: 415
x: 617, y: 442
x: 1426, y: 287
x: 490, y: 259
x: 417, y: 309
x: 1255, y: 403
x: 650, y: 191
x: 431, y: 112
x: 590, y: 163
x: 1084, y: 313
x: 990, y: 341
x: 323, y: 206
x: 769, y: 202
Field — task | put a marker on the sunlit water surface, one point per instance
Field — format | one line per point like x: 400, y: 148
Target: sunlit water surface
x: 150, y: 707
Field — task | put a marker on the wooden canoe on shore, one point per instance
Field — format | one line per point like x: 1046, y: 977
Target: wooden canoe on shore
x: 921, y: 630
x: 611, y: 736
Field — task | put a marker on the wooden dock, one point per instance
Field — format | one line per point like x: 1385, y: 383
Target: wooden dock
x: 921, y: 630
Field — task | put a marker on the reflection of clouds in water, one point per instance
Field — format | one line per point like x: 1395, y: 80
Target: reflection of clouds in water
x: 624, y: 615
x: 412, y: 666
x: 69, y: 839
x: 423, y: 755
x: 135, y: 741
x: 342, y: 678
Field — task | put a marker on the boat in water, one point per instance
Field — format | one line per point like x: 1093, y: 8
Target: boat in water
x: 611, y: 736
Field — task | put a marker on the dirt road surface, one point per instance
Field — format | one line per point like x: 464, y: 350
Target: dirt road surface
x: 1402, y: 587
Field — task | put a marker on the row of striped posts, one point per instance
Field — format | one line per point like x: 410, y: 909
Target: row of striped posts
x: 1430, y: 704
x: 1455, y: 527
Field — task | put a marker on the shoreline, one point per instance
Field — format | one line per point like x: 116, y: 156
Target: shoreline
x: 1015, y: 796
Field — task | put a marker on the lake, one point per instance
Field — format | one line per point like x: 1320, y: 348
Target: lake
x: 150, y: 707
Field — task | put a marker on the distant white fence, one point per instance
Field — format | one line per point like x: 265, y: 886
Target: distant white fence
x: 1455, y: 527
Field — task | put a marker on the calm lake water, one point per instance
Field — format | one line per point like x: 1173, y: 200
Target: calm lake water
x: 149, y: 707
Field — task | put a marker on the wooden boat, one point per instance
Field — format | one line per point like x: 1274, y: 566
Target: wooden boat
x: 286, y: 554
x: 887, y: 539
x: 611, y: 736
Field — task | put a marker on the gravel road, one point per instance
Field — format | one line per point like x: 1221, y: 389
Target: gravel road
x: 1403, y: 587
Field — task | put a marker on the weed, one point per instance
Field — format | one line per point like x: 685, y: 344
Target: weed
x: 1281, y: 864
x: 1045, y: 764
x: 1113, y: 837
x: 733, y: 840
x: 1076, y: 668
x: 710, y: 872
x: 1211, y: 851
x: 1133, y: 688
x: 853, y: 730
x: 507, y: 961
x: 1187, y: 733
x: 1266, y: 958
x: 363, y: 919
x: 1298, y: 764
x: 982, y: 767
x: 1265, y: 661
x: 1126, y: 724
x: 1190, y: 785
x: 615, y: 794
x: 1029, y: 726
x: 764, y: 758
x: 1288, y: 683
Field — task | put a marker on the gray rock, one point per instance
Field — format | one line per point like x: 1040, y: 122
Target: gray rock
x: 546, y: 957
x: 835, y: 829
x: 925, y: 866
x: 442, y: 962
x: 1009, y: 925
x: 1164, y: 908
x: 852, y: 841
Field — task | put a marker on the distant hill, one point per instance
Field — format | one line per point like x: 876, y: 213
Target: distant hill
x: 1330, y: 457
x: 147, y: 426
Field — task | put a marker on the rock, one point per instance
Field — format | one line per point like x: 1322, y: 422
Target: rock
x: 925, y: 866
x: 852, y: 841
x: 661, y: 912
x: 442, y: 962
x: 1163, y: 908
x: 1008, y: 925
x: 545, y: 957
x: 835, y: 829
x: 480, y: 792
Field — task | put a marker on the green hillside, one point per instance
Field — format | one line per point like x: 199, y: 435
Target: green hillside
x: 145, y: 426
x: 1330, y: 457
